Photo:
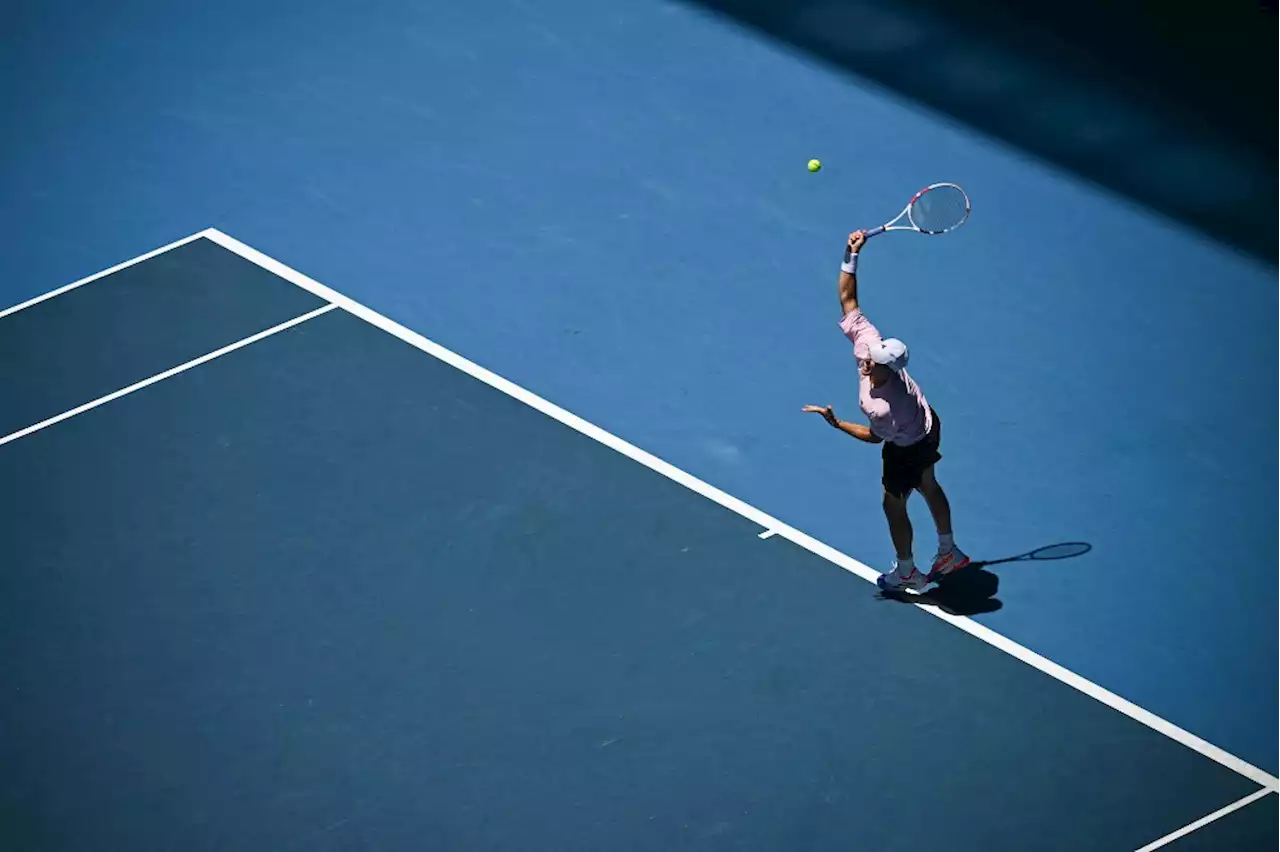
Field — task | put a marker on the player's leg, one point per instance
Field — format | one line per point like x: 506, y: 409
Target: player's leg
x: 904, y: 575
x: 936, y: 498
x: 895, y: 511
x: 925, y: 455
x: 949, y: 556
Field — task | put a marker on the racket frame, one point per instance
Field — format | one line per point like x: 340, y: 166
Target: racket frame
x: 892, y: 224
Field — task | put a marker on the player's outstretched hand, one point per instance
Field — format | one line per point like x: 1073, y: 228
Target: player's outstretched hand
x: 826, y: 411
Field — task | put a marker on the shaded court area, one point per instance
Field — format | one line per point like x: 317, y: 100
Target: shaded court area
x: 1163, y: 104
x: 280, y: 579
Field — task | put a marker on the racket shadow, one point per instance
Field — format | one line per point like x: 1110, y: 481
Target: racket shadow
x: 1047, y: 553
x: 972, y: 590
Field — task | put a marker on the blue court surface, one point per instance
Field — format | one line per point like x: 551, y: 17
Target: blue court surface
x: 282, y: 571
x: 285, y: 575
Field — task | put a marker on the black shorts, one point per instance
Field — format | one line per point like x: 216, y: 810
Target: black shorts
x: 903, y: 466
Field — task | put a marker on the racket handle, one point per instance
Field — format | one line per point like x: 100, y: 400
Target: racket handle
x: 874, y: 231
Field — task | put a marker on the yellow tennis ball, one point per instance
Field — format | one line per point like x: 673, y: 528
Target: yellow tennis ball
x: 815, y: 165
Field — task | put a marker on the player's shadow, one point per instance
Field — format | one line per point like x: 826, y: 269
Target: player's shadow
x: 972, y: 590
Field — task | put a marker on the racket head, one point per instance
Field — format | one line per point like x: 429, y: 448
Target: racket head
x: 938, y: 208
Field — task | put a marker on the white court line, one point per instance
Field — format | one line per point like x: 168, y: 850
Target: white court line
x: 102, y: 400
x: 104, y: 273
x: 827, y: 552
x: 767, y: 534
x: 1203, y: 821
x: 712, y: 493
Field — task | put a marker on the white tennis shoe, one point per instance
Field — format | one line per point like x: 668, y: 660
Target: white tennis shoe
x: 898, y: 580
x: 944, y: 563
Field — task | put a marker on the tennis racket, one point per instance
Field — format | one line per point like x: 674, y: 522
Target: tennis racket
x: 1066, y: 550
x: 936, y: 209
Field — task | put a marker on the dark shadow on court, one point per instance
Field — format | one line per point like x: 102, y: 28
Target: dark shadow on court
x: 1163, y: 103
x: 972, y: 590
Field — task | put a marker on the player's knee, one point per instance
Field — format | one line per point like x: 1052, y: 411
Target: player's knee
x: 894, y: 504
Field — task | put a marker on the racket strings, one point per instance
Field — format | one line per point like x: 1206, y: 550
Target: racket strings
x: 940, y: 209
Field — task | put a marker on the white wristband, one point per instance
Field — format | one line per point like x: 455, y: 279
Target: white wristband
x: 851, y: 265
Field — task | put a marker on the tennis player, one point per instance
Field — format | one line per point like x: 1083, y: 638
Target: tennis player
x: 909, y: 429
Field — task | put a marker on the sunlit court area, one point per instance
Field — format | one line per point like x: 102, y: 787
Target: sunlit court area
x: 646, y: 425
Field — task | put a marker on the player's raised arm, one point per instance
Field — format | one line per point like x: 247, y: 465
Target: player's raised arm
x: 848, y: 284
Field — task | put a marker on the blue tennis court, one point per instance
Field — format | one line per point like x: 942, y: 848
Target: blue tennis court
x: 285, y: 575
x: 400, y: 417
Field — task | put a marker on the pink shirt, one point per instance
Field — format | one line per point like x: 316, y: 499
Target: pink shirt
x: 898, y: 411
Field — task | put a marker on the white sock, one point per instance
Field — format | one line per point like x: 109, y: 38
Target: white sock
x: 946, y: 542
x: 904, y: 566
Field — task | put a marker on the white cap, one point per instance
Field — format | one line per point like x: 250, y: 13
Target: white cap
x: 892, y: 353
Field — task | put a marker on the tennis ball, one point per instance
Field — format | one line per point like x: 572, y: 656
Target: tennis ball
x: 815, y: 165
